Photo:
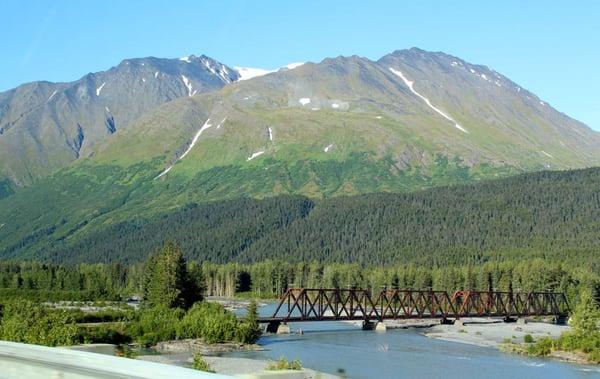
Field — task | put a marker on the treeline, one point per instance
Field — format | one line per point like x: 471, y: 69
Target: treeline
x: 171, y: 308
x: 47, y: 282
x: 270, y: 278
x: 549, y: 215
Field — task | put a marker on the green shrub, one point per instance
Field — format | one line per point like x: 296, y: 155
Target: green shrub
x: 28, y: 322
x: 586, y: 316
x: 200, y: 364
x: 104, y: 315
x: 126, y: 352
x: 542, y: 347
x: 283, y: 364
x: 594, y: 356
x: 527, y: 338
x: 155, y: 324
x: 114, y: 333
x: 210, y: 322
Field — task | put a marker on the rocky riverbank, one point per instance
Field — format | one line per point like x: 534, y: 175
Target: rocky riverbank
x: 231, y: 303
x: 492, y: 333
x: 239, y: 367
x: 507, y: 337
x: 197, y: 346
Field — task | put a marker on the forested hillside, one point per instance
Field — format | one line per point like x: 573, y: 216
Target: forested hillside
x: 553, y: 215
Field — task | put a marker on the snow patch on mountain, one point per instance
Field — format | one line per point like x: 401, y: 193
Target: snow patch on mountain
x: 100, y: 89
x: 51, y: 96
x: 190, y: 147
x: 249, y: 72
x: 292, y: 66
x: 409, y: 84
x: 164, y: 172
x: 328, y: 147
x: 189, y: 85
x: 195, y: 139
x: 255, y: 155
x: 221, y: 123
x: 270, y: 134
x: 156, y: 75
x: 547, y: 154
x: 218, y: 71
x: 304, y: 101
x: 185, y: 59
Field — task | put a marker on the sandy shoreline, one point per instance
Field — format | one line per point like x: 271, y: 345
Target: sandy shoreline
x: 491, y: 333
x: 240, y: 367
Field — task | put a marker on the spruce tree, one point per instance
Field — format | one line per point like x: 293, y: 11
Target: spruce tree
x: 166, y: 280
x: 252, y: 320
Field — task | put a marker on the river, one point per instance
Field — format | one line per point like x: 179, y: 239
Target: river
x: 402, y: 353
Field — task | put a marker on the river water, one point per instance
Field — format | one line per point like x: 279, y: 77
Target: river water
x: 402, y: 353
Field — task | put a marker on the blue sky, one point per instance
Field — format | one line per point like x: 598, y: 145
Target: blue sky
x: 549, y: 47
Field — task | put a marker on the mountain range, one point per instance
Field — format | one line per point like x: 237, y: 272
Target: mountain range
x: 151, y: 135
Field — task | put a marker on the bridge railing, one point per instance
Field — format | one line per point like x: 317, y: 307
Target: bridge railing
x: 315, y: 304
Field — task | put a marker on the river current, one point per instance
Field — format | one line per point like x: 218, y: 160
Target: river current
x: 333, y: 347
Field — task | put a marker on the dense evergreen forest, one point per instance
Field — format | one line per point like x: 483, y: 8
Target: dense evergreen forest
x: 548, y: 215
x: 270, y: 278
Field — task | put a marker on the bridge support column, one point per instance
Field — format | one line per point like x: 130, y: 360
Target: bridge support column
x: 509, y: 319
x: 378, y: 326
x: 560, y: 320
x: 272, y: 326
x: 277, y: 327
x: 368, y: 325
x: 283, y: 329
x: 446, y: 321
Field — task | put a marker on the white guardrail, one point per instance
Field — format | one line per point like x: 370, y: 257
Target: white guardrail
x: 22, y: 361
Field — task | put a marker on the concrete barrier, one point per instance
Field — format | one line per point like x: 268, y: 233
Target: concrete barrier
x: 18, y: 361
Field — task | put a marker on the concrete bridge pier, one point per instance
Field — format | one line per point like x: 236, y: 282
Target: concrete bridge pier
x: 378, y: 326
x: 561, y: 320
x: 277, y: 327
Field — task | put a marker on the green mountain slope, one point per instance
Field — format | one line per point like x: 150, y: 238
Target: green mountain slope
x: 44, y: 126
x: 345, y: 126
x: 552, y: 215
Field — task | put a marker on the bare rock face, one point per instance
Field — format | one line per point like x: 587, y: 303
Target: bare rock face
x: 42, y: 123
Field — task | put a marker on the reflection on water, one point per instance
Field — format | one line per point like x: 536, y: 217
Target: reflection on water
x: 331, y: 346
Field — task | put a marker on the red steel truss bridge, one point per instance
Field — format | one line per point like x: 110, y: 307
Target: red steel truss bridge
x: 320, y: 304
